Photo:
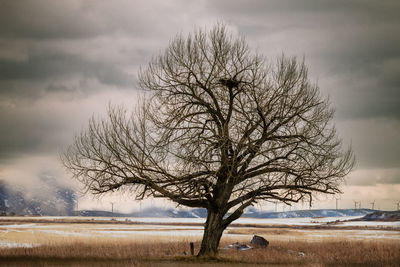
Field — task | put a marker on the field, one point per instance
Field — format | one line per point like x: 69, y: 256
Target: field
x: 80, y: 241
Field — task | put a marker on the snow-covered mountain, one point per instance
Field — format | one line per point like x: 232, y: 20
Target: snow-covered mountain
x: 59, y: 200
x: 253, y: 213
x: 170, y: 212
x: 150, y: 212
x: 49, y: 199
x: 382, y: 216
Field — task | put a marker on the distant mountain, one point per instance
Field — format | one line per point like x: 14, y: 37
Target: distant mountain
x: 57, y: 200
x: 382, y: 216
x: 253, y: 213
x: 150, y: 212
x: 99, y: 213
x: 49, y: 198
x: 170, y: 212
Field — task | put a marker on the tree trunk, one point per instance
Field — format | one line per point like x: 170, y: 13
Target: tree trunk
x: 213, y: 230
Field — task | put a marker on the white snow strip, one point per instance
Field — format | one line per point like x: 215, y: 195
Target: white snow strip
x: 16, y: 245
x: 19, y: 226
x: 153, y: 233
x: 66, y: 233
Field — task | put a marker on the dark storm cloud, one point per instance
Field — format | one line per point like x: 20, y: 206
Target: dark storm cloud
x: 51, y: 65
x: 52, y: 52
x: 372, y: 177
x: 47, y: 41
x: 47, y: 19
x: 375, y: 141
x: 21, y: 134
x: 281, y: 7
x: 353, y: 41
x: 390, y: 179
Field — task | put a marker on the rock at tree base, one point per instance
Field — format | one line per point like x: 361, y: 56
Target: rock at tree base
x: 259, y: 241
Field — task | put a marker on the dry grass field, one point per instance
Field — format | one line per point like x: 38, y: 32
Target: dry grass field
x: 152, y: 253
x: 115, y: 244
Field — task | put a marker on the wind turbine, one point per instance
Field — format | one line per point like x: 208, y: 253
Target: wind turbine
x: 337, y: 202
x: 373, y: 204
x: 112, y: 207
x: 398, y: 205
x: 355, y: 204
x: 276, y: 205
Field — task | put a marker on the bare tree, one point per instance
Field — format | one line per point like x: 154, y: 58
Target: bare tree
x: 218, y: 128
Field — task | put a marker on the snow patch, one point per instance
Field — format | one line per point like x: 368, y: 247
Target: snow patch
x: 4, y: 244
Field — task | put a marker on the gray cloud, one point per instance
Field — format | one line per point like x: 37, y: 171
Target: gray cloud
x: 352, y: 41
x: 375, y: 141
x: 47, y: 65
x: 48, y: 42
x: 41, y: 127
x: 338, y: 38
x: 46, y: 19
x: 390, y: 179
x: 27, y: 132
x: 373, y: 177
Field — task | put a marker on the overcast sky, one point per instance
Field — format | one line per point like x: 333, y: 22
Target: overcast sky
x: 62, y: 61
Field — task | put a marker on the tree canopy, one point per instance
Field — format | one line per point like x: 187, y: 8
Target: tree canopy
x: 219, y: 127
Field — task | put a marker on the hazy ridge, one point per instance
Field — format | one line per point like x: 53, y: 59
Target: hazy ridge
x: 62, y: 202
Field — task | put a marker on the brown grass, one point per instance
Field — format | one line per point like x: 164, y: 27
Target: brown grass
x: 289, y: 246
x: 153, y: 253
